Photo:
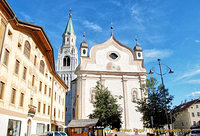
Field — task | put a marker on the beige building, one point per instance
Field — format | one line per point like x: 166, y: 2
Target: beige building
x: 32, y: 95
x: 117, y: 67
x: 188, y: 115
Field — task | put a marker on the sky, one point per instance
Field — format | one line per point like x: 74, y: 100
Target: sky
x: 169, y: 30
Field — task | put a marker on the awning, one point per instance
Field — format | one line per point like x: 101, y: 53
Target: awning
x: 83, y: 123
x: 59, y: 125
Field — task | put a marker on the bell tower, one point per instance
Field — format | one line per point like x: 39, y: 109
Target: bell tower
x: 68, y: 54
x: 138, y: 51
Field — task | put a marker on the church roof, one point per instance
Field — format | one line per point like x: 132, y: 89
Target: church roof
x: 69, y: 28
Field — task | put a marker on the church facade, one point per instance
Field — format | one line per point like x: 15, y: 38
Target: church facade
x: 117, y: 67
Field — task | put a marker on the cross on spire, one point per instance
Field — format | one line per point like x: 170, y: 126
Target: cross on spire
x: 136, y: 39
x: 70, y: 12
x: 111, y: 27
x: 83, y: 36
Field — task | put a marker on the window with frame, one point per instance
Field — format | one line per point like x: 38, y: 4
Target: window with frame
x: 40, y: 128
x: 45, y: 89
x: 2, y: 84
x: 48, y: 110
x: 49, y: 92
x: 42, y: 66
x: 6, y: 57
x: 198, y: 113
x: 192, y: 114
x: 44, y: 108
x: 13, y: 96
x: 113, y: 56
x: 14, y: 127
x: 54, y: 112
x: 197, y: 106
x: 39, y: 104
x: 40, y: 86
x: 35, y: 60
x: 22, y: 99
x: 33, y: 80
x: 24, y: 73
x: 17, y: 66
x: 66, y: 61
x: 27, y: 49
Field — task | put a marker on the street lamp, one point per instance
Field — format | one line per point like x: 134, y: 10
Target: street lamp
x: 170, y: 71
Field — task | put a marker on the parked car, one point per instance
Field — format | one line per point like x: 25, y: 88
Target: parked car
x: 194, y: 132
x: 56, y: 133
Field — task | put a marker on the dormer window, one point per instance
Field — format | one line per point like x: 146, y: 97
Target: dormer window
x: 113, y: 56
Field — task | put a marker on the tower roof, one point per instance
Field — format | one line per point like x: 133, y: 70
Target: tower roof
x: 69, y: 28
x: 137, y: 46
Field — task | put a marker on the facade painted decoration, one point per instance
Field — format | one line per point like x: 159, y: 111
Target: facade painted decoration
x: 32, y: 95
x: 117, y: 67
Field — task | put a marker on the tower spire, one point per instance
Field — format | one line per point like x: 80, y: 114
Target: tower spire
x: 69, y: 28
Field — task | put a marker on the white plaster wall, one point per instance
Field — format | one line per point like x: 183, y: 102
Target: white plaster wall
x: 90, y: 83
x: 116, y: 88
x: 134, y: 116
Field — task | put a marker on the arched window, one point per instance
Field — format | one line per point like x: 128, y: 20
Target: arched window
x: 42, y: 66
x: 134, y: 95
x: 66, y: 61
x: 27, y: 49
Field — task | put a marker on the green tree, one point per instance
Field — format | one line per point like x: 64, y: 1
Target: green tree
x: 155, y: 105
x: 106, y: 108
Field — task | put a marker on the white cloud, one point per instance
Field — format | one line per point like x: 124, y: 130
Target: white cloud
x: 195, y: 81
x: 193, y: 94
x: 197, y: 41
x: 117, y: 3
x: 190, y: 74
x: 26, y: 17
x: 92, y: 26
x: 137, y: 13
x: 153, y: 54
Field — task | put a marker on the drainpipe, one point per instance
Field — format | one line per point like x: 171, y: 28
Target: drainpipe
x: 52, y: 90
